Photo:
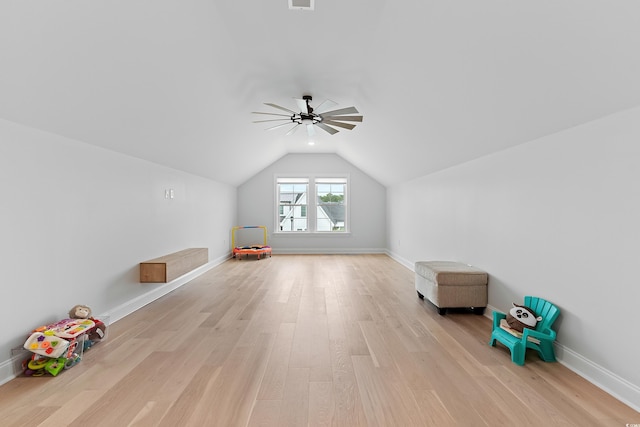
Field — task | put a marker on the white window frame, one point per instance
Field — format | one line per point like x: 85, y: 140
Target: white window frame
x: 311, y: 202
x: 293, y: 216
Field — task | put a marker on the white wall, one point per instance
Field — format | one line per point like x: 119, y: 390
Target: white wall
x: 558, y: 218
x: 366, y: 198
x: 76, y: 220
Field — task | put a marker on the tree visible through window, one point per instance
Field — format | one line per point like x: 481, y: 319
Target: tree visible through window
x: 331, y: 208
x: 328, y: 206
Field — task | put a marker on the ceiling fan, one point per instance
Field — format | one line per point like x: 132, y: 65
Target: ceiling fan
x: 311, y: 117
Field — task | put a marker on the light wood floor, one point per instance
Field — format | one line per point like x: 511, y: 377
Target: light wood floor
x: 305, y: 340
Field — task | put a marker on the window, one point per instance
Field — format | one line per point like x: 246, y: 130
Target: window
x: 331, y: 205
x: 292, y: 204
x: 325, y: 211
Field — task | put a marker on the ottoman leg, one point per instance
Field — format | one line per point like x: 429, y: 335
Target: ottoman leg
x: 420, y: 295
x: 442, y: 311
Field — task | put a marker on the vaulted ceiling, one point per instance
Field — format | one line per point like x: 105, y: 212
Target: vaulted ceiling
x: 439, y: 82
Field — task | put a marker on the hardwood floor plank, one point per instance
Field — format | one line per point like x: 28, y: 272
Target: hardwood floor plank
x: 275, y: 376
x: 378, y: 350
x: 69, y: 412
x: 237, y: 385
x: 576, y: 388
x: 403, y: 360
x: 321, y: 404
x: 299, y: 340
x: 386, y: 401
x: 348, y: 405
x: 265, y: 413
x: 433, y: 410
x: 514, y: 410
x: 194, y: 400
x: 296, y: 398
x: 532, y: 397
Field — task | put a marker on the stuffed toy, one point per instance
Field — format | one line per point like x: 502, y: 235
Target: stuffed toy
x: 520, y: 317
x: 98, y: 332
x: 80, y: 312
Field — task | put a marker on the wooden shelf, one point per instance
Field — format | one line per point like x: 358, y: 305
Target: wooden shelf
x: 170, y: 267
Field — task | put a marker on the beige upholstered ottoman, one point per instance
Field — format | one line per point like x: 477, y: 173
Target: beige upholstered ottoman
x: 449, y: 284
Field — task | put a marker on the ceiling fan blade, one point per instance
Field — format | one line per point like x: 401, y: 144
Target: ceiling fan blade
x: 344, y: 118
x: 311, y: 131
x: 278, y: 126
x: 327, y: 103
x: 327, y: 128
x: 280, y: 108
x: 348, y: 110
x: 271, y: 114
x: 271, y: 120
x: 292, y: 130
x: 339, y: 124
x: 302, y: 105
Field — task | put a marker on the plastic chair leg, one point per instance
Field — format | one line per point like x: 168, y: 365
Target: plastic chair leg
x: 517, y: 355
x: 547, y: 352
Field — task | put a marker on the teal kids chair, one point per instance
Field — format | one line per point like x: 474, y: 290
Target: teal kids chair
x: 540, y: 339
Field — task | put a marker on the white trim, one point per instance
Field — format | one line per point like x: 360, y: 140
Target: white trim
x: 314, y: 233
x: 616, y: 386
x: 311, y: 179
x: 328, y: 251
x: 410, y: 265
x: 7, y: 367
x: 137, y: 303
x: 602, y: 378
x: 613, y: 384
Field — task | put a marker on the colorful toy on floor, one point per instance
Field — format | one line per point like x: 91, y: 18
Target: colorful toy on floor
x: 71, y: 328
x: 54, y: 366
x: 80, y: 312
x: 253, y: 249
x: 60, y: 345
x: 46, y: 344
x: 98, y: 332
x: 34, y: 367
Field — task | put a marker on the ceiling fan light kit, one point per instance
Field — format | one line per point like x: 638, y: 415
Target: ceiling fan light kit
x: 311, y: 117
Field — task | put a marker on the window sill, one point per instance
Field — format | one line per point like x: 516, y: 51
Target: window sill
x: 310, y: 233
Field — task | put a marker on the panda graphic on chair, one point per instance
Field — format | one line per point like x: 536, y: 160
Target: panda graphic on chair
x: 520, y: 317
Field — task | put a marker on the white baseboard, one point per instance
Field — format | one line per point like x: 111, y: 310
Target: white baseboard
x: 611, y: 383
x: 616, y: 386
x: 410, y: 265
x: 489, y: 311
x: 129, y: 307
x: 325, y: 251
x: 602, y: 378
x: 8, y: 369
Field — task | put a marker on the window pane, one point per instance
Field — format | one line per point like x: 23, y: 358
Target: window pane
x: 292, y: 205
x: 323, y: 224
x: 330, y: 202
x: 324, y: 211
x: 330, y: 193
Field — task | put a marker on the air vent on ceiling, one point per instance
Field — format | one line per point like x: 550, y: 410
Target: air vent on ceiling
x: 301, y: 4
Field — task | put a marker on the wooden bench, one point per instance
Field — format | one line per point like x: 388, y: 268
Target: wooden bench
x: 169, y: 267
